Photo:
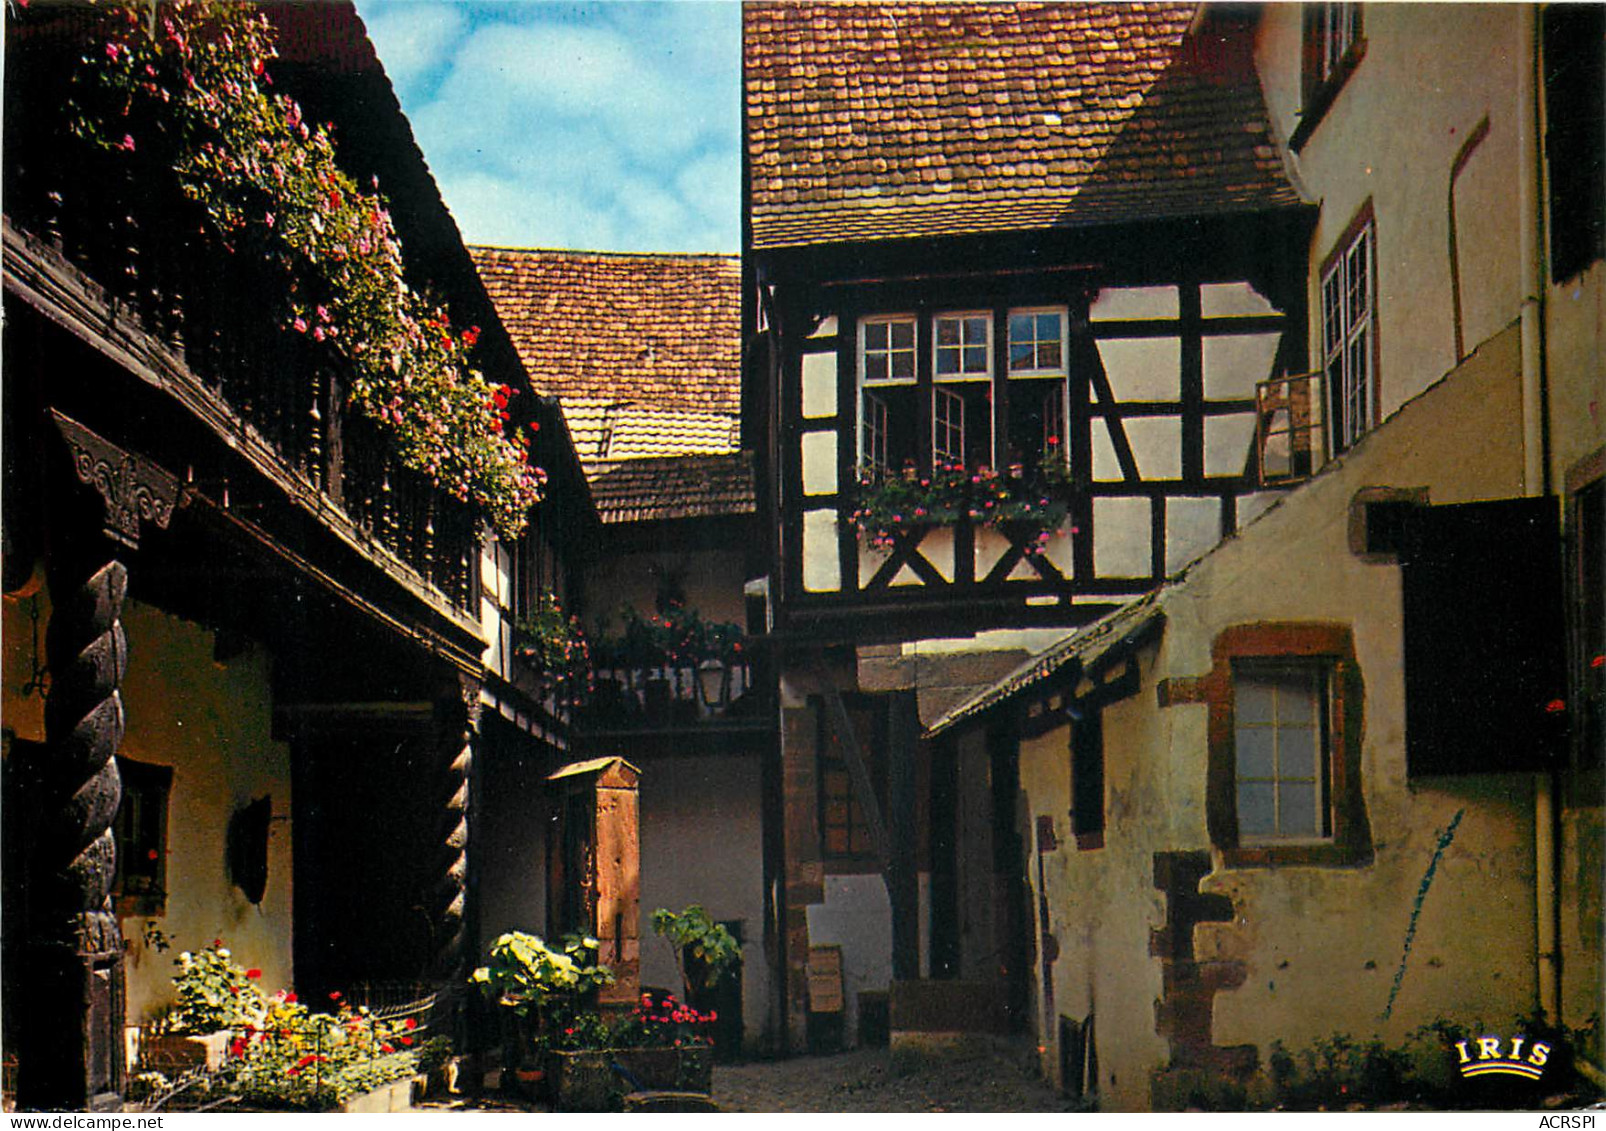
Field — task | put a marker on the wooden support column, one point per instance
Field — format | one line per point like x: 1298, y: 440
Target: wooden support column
x: 457, y: 729
x: 903, y: 887
x: 70, y: 1054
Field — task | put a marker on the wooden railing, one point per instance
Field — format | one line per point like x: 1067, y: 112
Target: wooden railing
x: 223, y: 314
x: 668, y: 696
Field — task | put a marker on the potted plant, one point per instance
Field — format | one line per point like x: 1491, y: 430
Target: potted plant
x: 215, y: 998
x: 661, y: 1044
x: 537, y: 989
x: 705, y: 952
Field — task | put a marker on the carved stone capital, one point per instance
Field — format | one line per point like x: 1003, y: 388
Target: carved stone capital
x: 133, y: 488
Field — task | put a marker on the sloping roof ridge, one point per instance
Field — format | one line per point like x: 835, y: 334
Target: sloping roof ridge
x: 583, y: 253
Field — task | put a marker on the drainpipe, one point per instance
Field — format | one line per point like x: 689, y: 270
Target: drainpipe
x: 1536, y: 472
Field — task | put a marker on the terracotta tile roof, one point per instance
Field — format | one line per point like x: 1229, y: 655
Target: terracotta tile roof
x: 638, y: 490
x: 603, y: 430
x: 873, y: 121
x: 657, y: 331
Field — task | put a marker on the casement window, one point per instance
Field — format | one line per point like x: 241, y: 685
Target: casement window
x: 140, y: 829
x: 847, y: 842
x: 1333, y: 45
x: 1285, y: 726
x: 1575, y: 134
x: 1349, y: 332
x: 1282, y: 753
x: 956, y: 352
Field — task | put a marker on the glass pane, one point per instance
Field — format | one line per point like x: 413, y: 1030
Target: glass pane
x: 836, y: 813
x: 1020, y: 327
x: 947, y: 359
x: 1296, y: 698
x: 903, y: 364
x: 1253, y: 701
x: 1296, y: 753
x: 836, y: 842
x: 1254, y: 748
x: 1255, y: 814
x: 1020, y: 356
x: 903, y: 335
x: 1048, y: 327
x: 975, y: 359
x: 875, y: 335
x: 1048, y: 355
x: 1297, y: 809
x: 875, y: 367
x: 976, y: 329
x: 947, y: 331
x: 861, y: 841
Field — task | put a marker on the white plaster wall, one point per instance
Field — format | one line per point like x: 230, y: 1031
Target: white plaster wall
x: 1431, y: 72
x: 1320, y: 945
x: 212, y: 723
x: 857, y: 916
x: 702, y: 842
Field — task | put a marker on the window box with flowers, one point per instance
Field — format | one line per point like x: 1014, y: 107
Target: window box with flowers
x: 552, y: 641
x: 1029, y: 506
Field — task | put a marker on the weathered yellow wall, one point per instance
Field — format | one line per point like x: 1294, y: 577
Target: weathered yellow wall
x: 1431, y: 72
x: 1321, y: 945
x: 211, y: 722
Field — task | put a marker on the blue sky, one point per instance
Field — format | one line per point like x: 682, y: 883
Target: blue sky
x: 609, y: 126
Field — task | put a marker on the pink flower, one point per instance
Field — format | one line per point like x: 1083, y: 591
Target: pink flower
x: 300, y: 324
x: 113, y: 50
x: 127, y: 143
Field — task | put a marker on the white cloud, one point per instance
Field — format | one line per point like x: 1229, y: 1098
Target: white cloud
x: 413, y: 38
x: 611, y: 127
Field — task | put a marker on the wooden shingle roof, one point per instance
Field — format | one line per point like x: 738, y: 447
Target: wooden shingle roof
x: 643, y: 490
x: 654, y: 330
x: 876, y: 121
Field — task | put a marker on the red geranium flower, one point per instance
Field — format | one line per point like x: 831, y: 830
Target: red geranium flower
x: 410, y: 1023
x: 253, y: 973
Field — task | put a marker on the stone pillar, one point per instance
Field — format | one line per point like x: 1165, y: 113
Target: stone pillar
x: 71, y: 1052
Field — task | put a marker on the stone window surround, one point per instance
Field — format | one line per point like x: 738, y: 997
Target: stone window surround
x: 1351, y: 842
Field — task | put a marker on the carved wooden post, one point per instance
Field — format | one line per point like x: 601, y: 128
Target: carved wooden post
x: 458, y: 728
x: 71, y: 1051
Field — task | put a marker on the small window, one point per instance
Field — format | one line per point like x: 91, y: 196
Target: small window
x: 963, y: 345
x: 948, y: 427
x: 847, y: 842
x: 1333, y: 45
x: 140, y: 883
x: 1285, y: 726
x: 1281, y: 756
x: 1036, y: 341
x: 1349, y: 334
x: 889, y: 349
x: 1087, y: 780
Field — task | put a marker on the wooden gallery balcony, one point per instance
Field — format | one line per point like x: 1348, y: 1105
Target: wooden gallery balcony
x: 719, y: 701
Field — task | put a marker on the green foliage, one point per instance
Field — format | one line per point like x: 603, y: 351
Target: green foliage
x: 677, y: 636
x: 892, y: 504
x: 176, y: 94
x: 553, y: 641
x: 692, y: 933
x: 527, y: 977
x: 214, y: 993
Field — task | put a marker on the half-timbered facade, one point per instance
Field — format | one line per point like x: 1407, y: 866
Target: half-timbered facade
x: 1021, y: 272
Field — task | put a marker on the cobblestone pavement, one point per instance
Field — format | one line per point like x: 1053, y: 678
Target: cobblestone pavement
x: 868, y: 1080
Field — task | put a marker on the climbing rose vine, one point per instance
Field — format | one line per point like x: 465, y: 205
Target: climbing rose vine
x: 188, y: 90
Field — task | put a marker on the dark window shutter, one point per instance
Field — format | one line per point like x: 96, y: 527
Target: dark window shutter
x: 1485, y: 652
x: 1575, y: 142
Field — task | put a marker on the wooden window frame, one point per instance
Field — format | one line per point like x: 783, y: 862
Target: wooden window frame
x: 1344, y: 431
x: 1033, y: 312
x: 1332, y: 646
x: 155, y: 783
x: 986, y: 346
x: 849, y: 862
x: 1323, y: 74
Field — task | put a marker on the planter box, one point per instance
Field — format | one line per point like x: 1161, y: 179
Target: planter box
x: 179, y: 1052
x: 586, y: 1081
x: 394, y: 1096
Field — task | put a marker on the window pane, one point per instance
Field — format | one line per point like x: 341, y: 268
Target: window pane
x: 976, y: 329
x: 1253, y: 700
x: 1255, y: 813
x: 976, y: 359
x: 1021, y: 356
x: 1020, y: 327
x: 1048, y: 327
x: 836, y: 783
x: 1296, y: 753
x: 875, y: 335
x: 1297, y: 809
x: 903, y: 335
x: 947, y: 359
x: 1254, y: 746
x: 947, y: 331
x: 836, y: 842
x: 903, y: 364
x: 875, y: 367
x: 1048, y: 355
